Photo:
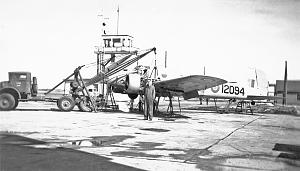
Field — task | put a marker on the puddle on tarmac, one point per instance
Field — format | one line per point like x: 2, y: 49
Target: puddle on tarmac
x: 154, y: 129
x: 99, y: 141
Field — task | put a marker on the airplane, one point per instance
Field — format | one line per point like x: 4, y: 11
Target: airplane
x: 246, y: 92
x: 186, y: 86
x: 119, y: 79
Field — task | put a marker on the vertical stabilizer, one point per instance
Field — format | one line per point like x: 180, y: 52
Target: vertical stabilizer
x: 258, y: 83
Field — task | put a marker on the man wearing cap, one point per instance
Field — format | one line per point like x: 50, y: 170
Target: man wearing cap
x: 149, y: 100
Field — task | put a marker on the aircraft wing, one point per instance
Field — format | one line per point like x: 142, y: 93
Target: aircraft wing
x: 187, y: 86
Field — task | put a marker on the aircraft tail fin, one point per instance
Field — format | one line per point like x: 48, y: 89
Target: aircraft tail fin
x: 259, y: 82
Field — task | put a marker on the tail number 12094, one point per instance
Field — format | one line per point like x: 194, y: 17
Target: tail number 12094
x: 229, y: 89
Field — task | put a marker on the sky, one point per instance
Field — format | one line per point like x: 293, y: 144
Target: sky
x: 50, y: 38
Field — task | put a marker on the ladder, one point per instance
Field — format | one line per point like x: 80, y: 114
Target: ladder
x: 244, y: 106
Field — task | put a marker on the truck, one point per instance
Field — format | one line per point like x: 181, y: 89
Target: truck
x: 19, y: 87
x: 22, y: 87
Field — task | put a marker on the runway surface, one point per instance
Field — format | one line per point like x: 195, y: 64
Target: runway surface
x: 199, y: 140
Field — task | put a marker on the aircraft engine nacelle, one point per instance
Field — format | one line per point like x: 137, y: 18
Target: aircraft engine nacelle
x: 118, y: 88
x: 132, y: 83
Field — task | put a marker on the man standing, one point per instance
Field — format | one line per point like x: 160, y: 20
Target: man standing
x: 149, y: 100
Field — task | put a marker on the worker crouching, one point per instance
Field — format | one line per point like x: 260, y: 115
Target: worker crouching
x: 149, y: 100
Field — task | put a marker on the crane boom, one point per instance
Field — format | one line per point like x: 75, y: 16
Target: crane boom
x: 128, y: 63
x: 119, y: 62
x: 117, y: 67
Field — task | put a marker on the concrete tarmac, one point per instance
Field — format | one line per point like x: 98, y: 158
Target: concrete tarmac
x: 199, y: 140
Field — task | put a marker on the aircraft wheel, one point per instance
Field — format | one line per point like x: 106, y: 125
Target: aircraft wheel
x: 84, y: 106
x: 66, y: 103
x: 7, y: 101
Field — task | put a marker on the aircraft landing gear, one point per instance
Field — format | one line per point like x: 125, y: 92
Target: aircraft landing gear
x: 170, y: 105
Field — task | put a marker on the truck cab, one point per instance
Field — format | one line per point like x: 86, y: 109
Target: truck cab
x: 19, y: 87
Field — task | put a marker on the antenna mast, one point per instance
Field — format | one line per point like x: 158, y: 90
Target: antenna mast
x: 285, y: 84
x: 118, y: 20
x: 165, y: 59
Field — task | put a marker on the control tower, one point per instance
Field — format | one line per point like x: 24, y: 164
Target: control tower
x: 118, y: 44
x: 112, y: 45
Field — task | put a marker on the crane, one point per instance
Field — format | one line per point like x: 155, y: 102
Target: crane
x: 80, y: 96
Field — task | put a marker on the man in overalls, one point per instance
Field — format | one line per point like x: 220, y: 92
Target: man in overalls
x: 149, y: 100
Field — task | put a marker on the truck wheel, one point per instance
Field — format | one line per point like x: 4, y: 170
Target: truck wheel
x: 16, y: 104
x: 84, y: 106
x: 66, y: 103
x: 7, y: 101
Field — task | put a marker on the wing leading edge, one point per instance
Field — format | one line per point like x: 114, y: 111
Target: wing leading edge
x: 187, y: 86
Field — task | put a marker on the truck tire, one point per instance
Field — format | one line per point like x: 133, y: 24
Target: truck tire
x: 7, y: 101
x: 66, y: 103
x: 16, y: 104
x: 84, y: 107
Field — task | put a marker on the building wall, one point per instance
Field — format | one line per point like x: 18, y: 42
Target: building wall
x: 293, y: 91
x: 292, y: 99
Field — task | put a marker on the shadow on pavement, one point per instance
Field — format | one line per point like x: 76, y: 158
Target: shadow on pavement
x: 16, y: 155
x: 288, y: 151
